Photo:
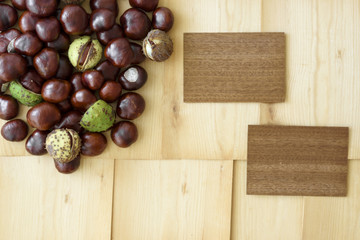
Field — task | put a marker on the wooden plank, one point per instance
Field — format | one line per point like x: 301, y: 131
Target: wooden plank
x: 175, y: 199
x: 323, y: 73
x: 37, y: 202
x: 264, y: 217
x: 335, y: 218
x: 292, y: 160
x: 234, y: 67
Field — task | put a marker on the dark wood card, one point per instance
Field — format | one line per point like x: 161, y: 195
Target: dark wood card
x: 234, y: 67
x: 289, y: 160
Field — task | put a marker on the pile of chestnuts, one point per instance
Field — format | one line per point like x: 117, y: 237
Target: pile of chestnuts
x: 77, y: 72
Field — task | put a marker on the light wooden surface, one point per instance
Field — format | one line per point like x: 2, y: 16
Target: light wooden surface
x: 323, y: 88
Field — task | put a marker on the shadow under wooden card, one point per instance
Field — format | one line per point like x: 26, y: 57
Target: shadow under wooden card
x: 289, y: 160
x: 234, y: 67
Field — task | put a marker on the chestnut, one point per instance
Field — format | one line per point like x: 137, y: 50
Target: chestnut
x: 3, y: 45
x: 76, y: 82
x: 133, y: 78
x: 74, y: 19
x: 146, y: 5
x: 136, y: 24
x: 8, y: 16
x: 43, y: 116
x: 68, y: 167
x: 12, y: 66
x: 124, y: 133
x: 83, y: 99
x: 93, y: 143
x: 10, y: 34
x: 64, y: 106
x: 109, y: 71
x: 9, y: 107
x: 107, y: 4
x: 114, y: 32
x: 65, y: 69
x: 110, y: 91
x: 48, y: 29
x: 19, y: 4
x: 55, y: 90
x: 15, y: 130
x: 139, y: 56
x: 46, y: 63
x: 28, y: 21
x: 92, y: 79
x: 130, y: 106
x: 32, y: 81
x: 27, y: 44
x: 119, y: 52
x: 61, y: 44
x: 71, y: 120
x: 35, y: 144
x: 162, y: 19
x: 42, y: 8
x: 102, y: 20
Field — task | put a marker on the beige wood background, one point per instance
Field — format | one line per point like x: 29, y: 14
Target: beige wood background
x: 148, y: 192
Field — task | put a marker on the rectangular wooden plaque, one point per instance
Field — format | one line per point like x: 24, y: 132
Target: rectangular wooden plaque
x: 289, y: 160
x: 234, y: 67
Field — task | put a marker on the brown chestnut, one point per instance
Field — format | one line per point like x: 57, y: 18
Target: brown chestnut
x: 71, y: 120
x: 55, y: 90
x: 146, y: 5
x: 83, y: 99
x: 9, y: 107
x: 64, y: 106
x: 27, y: 44
x: 105, y: 37
x: 92, y: 79
x: 110, y: 91
x: 65, y: 69
x: 12, y: 66
x: 61, y: 44
x: 15, y: 130
x: 74, y: 19
x: 139, y: 56
x: 162, y: 19
x: 48, y: 29
x: 32, y: 81
x: 28, y: 21
x: 93, y: 143
x: 109, y: 71
x: 8, y: 16
x: 124, y: 133
x: 107, y: 4
x: 19, y: 4
x: 119, y: 52
x: 42, y: 8
x: 10, y: 34
x: 102, y: 20
x: 68, y: 167
x: 133, y: 78
x: 130, y: 106
x: 3, y: 45
x: 43, y: 116
x: 46, y: 63
x: 136, y: 24
x: 76, y: 82
x: 35, y: 144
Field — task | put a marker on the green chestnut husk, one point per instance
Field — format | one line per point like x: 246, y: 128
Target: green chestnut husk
x: 23, y: 95
x: 85, y: 53
x: 99, y: 117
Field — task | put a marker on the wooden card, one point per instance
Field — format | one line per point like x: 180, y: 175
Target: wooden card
x: 234, y: 67
x: 289, y: 160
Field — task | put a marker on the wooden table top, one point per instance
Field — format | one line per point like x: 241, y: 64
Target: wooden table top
x: 185, y: 178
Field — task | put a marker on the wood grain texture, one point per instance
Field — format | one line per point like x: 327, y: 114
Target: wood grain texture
x: 178, y: 199
x: 234, y: 67
x: 37, y: 202
x: 293, y: 160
